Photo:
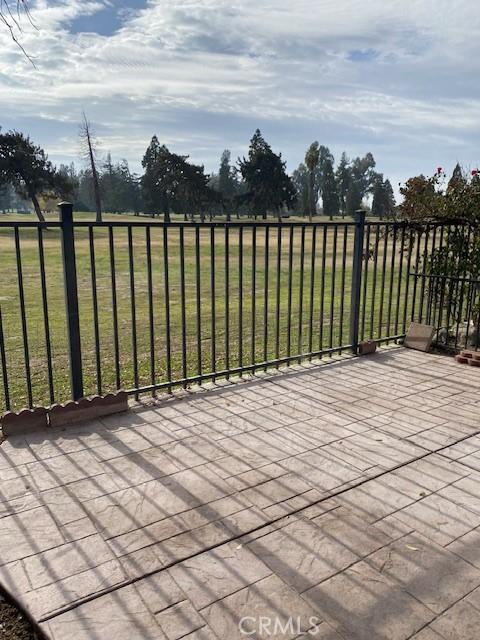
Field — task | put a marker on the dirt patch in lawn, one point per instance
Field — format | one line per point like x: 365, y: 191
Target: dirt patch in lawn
x: 14, y: 625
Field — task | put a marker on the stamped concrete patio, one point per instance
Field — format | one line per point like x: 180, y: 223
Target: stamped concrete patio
x: 332, y: 501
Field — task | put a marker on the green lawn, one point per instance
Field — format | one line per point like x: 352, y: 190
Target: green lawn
x: 296, y: 333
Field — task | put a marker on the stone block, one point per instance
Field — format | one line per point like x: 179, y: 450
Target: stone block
x: 419, y: 336
x: 87, y: 409
x: 366, y: 347
x: 26, y: 421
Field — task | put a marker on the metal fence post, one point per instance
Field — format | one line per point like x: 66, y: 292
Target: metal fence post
x: 71, y: 299
x: 356, y: 278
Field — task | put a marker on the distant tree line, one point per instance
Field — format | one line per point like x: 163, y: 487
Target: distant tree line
x: 341, y: 190
x: 256, y: 185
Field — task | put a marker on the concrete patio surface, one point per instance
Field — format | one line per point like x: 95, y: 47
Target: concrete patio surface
x: 337, y: 501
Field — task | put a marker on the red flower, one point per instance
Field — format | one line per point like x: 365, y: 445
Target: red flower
x: 474, y: 172
x: 439, y: 169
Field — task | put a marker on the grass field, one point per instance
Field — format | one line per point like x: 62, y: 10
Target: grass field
x: 328, y: 298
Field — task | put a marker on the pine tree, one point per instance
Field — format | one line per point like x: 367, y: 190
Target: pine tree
x: 390, y: 204
x: 457, y: 178
x: 27, y: 168
x: 353, y: 200
x: 383, y: 203
x: 153, y: 194
x: 227, y: 182
x: 378, y: 201
x: 269, y: 188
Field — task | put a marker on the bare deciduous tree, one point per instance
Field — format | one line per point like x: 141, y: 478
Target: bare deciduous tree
x: 89, y: 152
x: 10, y: 17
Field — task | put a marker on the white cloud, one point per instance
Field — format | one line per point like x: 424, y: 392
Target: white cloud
x: 201, y: 73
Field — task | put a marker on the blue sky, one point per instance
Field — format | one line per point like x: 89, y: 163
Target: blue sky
x: 396, y: 78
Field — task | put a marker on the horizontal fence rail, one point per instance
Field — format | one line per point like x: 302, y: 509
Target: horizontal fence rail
x: 144, y: 306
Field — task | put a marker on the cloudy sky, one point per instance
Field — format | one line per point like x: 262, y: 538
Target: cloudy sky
x: 399, y: 78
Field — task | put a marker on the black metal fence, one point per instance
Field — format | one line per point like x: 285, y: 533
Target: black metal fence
x: 451, y: 304
x: 91, y: 307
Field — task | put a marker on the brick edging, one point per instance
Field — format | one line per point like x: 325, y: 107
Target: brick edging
x: 63, y: 415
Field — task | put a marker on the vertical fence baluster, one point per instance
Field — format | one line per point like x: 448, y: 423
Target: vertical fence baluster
x: 198, y: 285
x: 46, y: 321
x: 430, y: 287
x: 400, y: 275
x: 240, y: 298
x: 312, y: 289
x: 168, y: 335
x: 265, y: 295
x: 391, y: 280
x: 365, y: 282
x: 133, y: 308
x: 277, y: 315
x: 3, y: 360
x: 182, y: 306
x: 300, y: 294
x: 382, y: 286
x: 322, y: 289
x: 151, y: 323
x: 289, y: 296
x: 407, y: 282
x: 213, y: 308
x: 424, y: 271
x: 476, y: 301
x: 254, y: 294
x: 113, y: 280
x: 415, y: 280
x: 343, y: 275
x: 374, y: 279
x: 227, y: 299
x: 96, y: 332
x: 356, y: 278
x: 332, y: 287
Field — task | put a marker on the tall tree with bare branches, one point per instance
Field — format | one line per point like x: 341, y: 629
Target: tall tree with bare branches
x: 11, y: 12
x: 89, y: 151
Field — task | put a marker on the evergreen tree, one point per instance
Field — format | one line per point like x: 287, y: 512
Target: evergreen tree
x: 390, y: 204
x: 27, y: 168
x: 227, y: 181
x: 330, y: 200
x: 154, y: 196
x: 457, y: 178
x: 378, y: 200
x: 383, y: 203
x: 353, y: 200
x: 109, y: 186
x: 269, y: 188
x: 170, y: 183
x: 325, y: 156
